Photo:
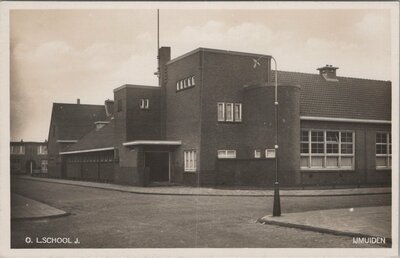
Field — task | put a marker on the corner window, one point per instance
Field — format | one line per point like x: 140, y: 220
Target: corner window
x: 229, y: 112
x: 326, y: 149
x: 226, y: 154
x: 190, y: 159
x: 257, y: 154
x: 383, y: 150
x: 144, y: 104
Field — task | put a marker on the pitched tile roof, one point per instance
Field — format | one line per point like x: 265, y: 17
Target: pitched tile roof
x: 347, y: 98
x: 96, y: 139
x: 75, y: 120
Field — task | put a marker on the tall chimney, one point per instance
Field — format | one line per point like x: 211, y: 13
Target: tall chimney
x: 164, y: 55
x: 78, y: 101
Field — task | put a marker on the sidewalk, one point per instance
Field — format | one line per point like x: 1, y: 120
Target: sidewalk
x: 186, y: 190
x: 354, y: 222
x: 25, y: 208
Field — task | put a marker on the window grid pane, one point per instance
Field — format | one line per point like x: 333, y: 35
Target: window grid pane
x: 326, y: 149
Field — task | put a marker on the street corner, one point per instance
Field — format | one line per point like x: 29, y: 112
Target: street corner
x: 23, y: 208
x: 367, y: 225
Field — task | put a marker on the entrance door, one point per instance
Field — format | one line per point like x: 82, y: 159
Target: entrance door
x: 158, y: 164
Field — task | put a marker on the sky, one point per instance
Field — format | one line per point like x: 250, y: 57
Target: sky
x: 61, y: 55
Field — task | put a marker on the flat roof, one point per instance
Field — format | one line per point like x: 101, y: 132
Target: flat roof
x: 218, y: 51
x: 133, y: 143
x: 149, y: 87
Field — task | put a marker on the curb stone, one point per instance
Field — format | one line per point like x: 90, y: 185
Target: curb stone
x: 115, y: 188
x: 318, y: 229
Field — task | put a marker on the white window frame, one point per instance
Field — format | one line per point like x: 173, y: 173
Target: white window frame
x: 42, y: 150
x: 232, y: 107
x: 227, y: 107
x: 44, y: 165
x: 17, y: 149
x: 237, y: 118
x: 257, y: 154
x: 326, y: 155
x: 190, y: 160
x: 270, y: 153
x: 185, y: 83
x: 219, y: 105
x: 226, y: 154
x: 144, y: 103
x: 388, y: 154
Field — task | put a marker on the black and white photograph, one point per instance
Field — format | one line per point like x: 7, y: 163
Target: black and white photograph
x: 199, y: 128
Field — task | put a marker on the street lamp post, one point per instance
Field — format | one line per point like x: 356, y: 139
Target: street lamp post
x: 276, y: 211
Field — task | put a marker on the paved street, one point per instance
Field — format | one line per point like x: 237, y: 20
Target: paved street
x: 104, y: 218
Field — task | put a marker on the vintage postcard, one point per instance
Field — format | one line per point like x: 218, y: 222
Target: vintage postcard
x: 198, y: 129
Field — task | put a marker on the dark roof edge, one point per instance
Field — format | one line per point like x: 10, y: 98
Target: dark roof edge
x: 97, y: 105
x: 345, y: 77
x: 212, y: 50
x: 136, y: 86
x: 28, y: 142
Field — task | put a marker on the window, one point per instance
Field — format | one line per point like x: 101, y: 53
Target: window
x: 20, y: 150
x: 383, y: 150
x: 190, y: 160
x: 326, y: 149
x: 226, y: 154
x: 43, y: 165
x: 229, y: 112
x: 257, y: 154
x: 42, y: 150
x: 119, y: 105
x: 238, y: 112
x: 144, y: 104
x: 185, y: 83
x: 270, y: 153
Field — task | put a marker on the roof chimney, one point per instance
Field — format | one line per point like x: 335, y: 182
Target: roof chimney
x: 328, y: 72
x: 109, y: 105
x: 78, y: 101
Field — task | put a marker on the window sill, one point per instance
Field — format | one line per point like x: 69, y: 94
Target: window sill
x: 230, y: 122
x: 190, y: 171
x: 383, y: 168
x: 326, y: 169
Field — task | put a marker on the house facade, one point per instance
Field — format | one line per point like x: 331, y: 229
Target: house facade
x: 28, y: 157
x: 211, y: 121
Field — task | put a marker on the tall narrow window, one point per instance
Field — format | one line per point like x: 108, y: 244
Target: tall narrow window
x: 221, y: 112
x: 119, y: 105
x: 383, y: 150
x: 257, y: 154
x: 229, y: 111
x: 238, y: 112
x: 43, y: 165
x: 190, y: 158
